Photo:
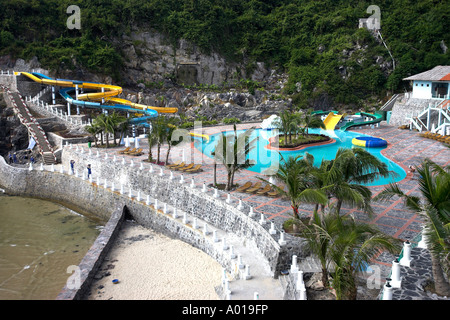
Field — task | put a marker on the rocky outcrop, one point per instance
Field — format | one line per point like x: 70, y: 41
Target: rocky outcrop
x: 151, y: 57
x: 216, y: 105
x: 158, y: 72
x: 13, y: 135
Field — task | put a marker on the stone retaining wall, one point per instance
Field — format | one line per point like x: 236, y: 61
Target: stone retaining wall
x: 8, y: 80
x: 194, y: 202
x: 405, y: 107
x: 93, y: 259
x: 103, y: 202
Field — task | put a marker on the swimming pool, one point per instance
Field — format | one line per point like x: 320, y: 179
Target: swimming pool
x: 267, y: 159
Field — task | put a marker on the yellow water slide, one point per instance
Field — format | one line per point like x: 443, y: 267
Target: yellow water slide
x: 204, y: 136
x: 332, y: 120
x: 107, y: 92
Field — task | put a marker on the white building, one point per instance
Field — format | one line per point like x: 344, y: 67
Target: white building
x: 431, y: 84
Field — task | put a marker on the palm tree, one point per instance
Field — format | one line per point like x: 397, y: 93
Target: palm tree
x: 123, y: 128
x: 295, y: 174
x: 158, y: 133
x: 151, y: 138
x: 346, y: 175
x: 308, y: 120
x: 170, y: 127
x: 114, y: 121
x: 94, y: 130
x: 434, y: 207
x: 101, y: 122
x: 286, y: 124
x: 319, y: 233
x: 344, y: 248
x: 232, y: 151
x: 353, y: 247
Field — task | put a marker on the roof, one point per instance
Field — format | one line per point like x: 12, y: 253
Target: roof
x: 438, y: 73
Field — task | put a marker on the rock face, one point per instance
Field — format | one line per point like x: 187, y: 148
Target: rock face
x: 202, y: 105
x: 13, y: 135
x: 151, y: 57
x: 158, y: 72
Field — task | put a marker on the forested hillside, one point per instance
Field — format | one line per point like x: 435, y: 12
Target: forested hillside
x: 317, y: 43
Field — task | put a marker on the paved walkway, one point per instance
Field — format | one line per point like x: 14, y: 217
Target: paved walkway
x: 404, y: 147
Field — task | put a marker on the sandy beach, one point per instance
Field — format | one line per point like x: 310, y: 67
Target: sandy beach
x: 151, y: 266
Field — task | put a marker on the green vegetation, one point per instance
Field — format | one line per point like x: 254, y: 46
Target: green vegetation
x: 317, y: 43
x: 294, y: 128
x: 231, y: 120
x: 232, y: 151
x: 112, y: 124
x: 300, y: 140
x: 162, y: 130
x: 343, y: 246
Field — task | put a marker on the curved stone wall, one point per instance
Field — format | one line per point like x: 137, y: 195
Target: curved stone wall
x: 193, y: 201
x: 230, y: 222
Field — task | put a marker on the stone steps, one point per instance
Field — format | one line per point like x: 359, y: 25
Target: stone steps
x: 414, y: 278
x: 34, y: 128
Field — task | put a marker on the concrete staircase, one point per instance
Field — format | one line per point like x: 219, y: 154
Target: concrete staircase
x: 390, y: 103
x: 34, y: 128
x: 433, y: 118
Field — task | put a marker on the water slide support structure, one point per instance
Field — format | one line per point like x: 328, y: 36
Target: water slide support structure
x: 105, y: 99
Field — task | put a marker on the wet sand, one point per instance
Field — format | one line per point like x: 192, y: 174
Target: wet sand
x: 151, y: 266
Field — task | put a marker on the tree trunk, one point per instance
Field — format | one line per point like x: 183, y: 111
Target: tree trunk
x: 295, y: 210
x: 159, y: 151
x: 316, y: 209
x: 232, y: 180
x: 107, y: 139
x: 167, y: 155
x: 325, y: 282
x: 441, y: 286
x: 215, y: 174
x: 150, y: 157
x: 229, y: 181
x: 121, y: 136
x: 338, y: 206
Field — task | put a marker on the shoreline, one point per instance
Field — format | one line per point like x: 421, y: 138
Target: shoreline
x: 163, y: 269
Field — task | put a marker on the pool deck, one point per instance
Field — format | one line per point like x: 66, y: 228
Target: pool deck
x: 391, y: 217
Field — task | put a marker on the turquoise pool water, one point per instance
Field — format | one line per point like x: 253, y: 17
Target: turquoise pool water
x: 266, y: 159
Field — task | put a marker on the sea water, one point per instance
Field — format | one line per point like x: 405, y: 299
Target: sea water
x: 39, y: 241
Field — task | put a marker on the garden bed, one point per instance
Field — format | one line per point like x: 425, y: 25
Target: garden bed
x: 300, y: 142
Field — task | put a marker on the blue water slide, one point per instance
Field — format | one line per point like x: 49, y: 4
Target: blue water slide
x: 64, y: 92
x: 148, y: 114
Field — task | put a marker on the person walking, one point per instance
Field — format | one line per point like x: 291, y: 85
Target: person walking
x: 10, y: 158
x: 72, y: 166
x: 89, y: 170
x: 15, y: 157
